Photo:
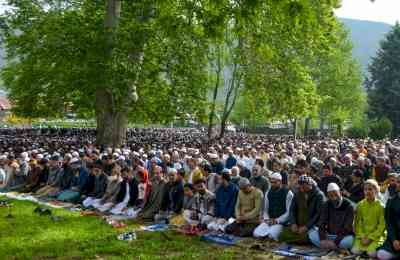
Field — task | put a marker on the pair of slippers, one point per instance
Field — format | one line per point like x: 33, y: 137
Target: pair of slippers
x: 42, y: 211
x: 5, y: 203
x: 127, y: 236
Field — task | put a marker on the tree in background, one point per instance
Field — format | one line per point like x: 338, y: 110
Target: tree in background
x: 95, y: 57
x: 383, y: 84
x: 339, y: 81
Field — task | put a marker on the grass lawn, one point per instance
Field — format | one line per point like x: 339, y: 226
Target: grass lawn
x: 29, y: 236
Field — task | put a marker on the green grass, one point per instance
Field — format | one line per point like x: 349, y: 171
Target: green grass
x: 30, y: 236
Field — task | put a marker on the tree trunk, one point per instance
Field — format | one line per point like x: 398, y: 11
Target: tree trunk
x: 339, y: 130
x: 215, y: 94
x: 295, y: 129
x: 307, y: 123
x: 111, y: 123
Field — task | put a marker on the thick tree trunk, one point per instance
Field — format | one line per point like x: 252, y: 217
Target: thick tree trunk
x: 340, y: 130
x: 295, y: 129
x: 307, y: 123
x: 111, y: 123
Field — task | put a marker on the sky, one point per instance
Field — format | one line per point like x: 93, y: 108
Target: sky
x: 387, y: 11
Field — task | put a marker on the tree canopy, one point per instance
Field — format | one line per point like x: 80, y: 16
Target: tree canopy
x: 384, y: 82
x: 154, y: 61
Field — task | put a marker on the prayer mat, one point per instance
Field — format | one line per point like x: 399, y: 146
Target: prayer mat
x: 221, y: 239
x: 191, y: 230
x: 156, y: 227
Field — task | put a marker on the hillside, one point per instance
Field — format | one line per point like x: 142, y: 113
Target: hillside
x: 366, y: 36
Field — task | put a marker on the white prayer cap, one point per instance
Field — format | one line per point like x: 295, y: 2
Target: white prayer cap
x: 314, y: 160
x: 284, y: 161
x: 241, y: 163
x: 244, y: 182
x: 118, y: 151
x: 348, y: 156
x: 301, y: 157
x: 3, y: 157
x: 276, y: 176
x: 213, y: 156
x: 172, y: 170
x: 24, y: 155
x: 333, y: 187
x: 121, y: 158
x: 39, y: 156
x: 75, y: 154
x: 74, y: 160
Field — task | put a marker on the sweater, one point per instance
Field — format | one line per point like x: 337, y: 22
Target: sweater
x: 248, y: 205
x: 225, y: 201
x: 315, y: 199
x: 336, y: 221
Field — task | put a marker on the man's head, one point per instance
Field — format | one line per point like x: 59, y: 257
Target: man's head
x: 173, y: 175
x: 334, y: 194
x: 205, y: 169
x: 380, y: 161
x: 200, y: 186
x: 188, y: 190
x: 347, y: 159
x: 371, y: 189
x: 235, y: 171
x: 192, y: 163
x: 225, y: 177
x: 157, y: 173
x: 306, y: 183
x: 326, y: 170
x: 276, y: 180
x: 301, y: 167
x: 213, y: 157
x: 276, y: 165
x: 257, y: 170
x: 392, y: 178
x: 244, y: 185
x: 357, y: 175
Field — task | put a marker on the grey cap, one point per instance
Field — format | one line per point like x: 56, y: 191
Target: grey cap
x: 244, y: 182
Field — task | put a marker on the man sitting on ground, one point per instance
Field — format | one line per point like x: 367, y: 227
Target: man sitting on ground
x: 276, y: 209
x: 305, y: 211
x: 335, y: 226
x: 247, y: 210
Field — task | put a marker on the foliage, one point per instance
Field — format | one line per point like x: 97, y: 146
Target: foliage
x: 357, y: 131
x: 383, y: 85
x: 288, y: 59
x: 381, y: 128
x: 339, y: 81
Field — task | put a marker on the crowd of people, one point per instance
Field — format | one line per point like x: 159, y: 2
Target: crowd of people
x: 331, y: 193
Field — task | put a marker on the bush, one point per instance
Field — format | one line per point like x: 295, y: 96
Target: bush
x: 357, y: 132
x: 381, y: 128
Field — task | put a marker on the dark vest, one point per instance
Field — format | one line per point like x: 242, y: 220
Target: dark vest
x: 277, y: 202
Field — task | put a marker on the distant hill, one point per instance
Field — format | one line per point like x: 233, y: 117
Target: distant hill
x: 366, y: 36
